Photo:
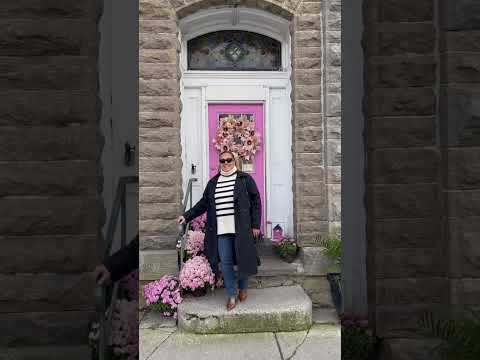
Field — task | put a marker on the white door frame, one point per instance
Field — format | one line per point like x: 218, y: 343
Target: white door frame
x: 266, y: 87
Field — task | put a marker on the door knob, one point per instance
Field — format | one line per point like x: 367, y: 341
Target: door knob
x: 194, y: 168
x: 129, y: 158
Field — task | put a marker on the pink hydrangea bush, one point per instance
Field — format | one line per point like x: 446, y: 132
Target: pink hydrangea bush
x: 125, y: 329
x: 197, y: 274
x: 198, y: 224
x: 129, y: 285
x: 163, y: 295
x: 195, y: 243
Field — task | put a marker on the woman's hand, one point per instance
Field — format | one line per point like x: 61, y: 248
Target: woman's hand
x: 256, y: 233
x: 181, y: 220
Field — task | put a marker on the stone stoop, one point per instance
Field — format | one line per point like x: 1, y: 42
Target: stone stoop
x: 308, y: 271
x: 286, y: 308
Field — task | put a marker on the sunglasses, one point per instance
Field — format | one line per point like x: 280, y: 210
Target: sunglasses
x: 228, y: 161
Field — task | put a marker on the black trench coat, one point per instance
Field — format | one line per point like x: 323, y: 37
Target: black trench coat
x: 247, y: 217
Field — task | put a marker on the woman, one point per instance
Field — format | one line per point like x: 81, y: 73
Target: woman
x: 232, y: 202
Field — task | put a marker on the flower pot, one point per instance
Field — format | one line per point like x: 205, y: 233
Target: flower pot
x: 199, y: 292
x: 335, y: 280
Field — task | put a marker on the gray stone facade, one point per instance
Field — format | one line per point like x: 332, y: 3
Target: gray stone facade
x: 51, y: 209
x: 315, y: 30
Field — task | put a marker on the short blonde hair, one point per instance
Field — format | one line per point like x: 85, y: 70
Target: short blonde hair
x: 235, y: 158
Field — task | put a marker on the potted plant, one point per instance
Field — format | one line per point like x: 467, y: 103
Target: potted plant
x: 163, y: 295
x: 196, y: 276
x: 358, y: 340
x: 333, y: 251
x: 286, y: 248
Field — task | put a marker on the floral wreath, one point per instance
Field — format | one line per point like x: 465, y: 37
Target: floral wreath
x: 238, y: 136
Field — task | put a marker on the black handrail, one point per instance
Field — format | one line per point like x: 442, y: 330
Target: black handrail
x: 105, y: 296
x: 183, y: 229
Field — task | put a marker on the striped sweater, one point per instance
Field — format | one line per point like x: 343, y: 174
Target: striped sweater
x: 224, y: 204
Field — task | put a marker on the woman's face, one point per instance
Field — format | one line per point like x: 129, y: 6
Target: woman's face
x: 227, y: 162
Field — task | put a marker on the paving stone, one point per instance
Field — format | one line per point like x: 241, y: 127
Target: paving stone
x: 150, y: 340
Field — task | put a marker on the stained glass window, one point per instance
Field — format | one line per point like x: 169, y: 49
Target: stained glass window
x: 234, y: 50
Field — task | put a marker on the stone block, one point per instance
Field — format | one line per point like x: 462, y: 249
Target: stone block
x: 308, y: 63
x: 460, y: 15
x: 460, y: 41
x: 401, y: 321
x: 406, y: 233
x: 412, y: 291
x: 158, y: 164
x: 334, y: 202
x: 398, y: 102
x: 406, y: 38
x: 57, y: 108
x: 313, y: 238
x: 401, y: 132
x: 47, y: 292
x: 150, y: 71
x: 51, y: 178
x: 334, y: 74
x: 334, y: 127
x: 159, y: 119
x: 157, y: 56
x: 309, y: 38
x: 463, y: 203
x: 334, y: 17
x: 310, y: 202
x: 304, y: 120
x: 334, y: 37
x: 405, y: 263
x: 403, y: 11
x: 157, y: 26
x: 463, y: 170
x: 309, y: 159
x: 56, y: 9
x: 460, y: 68
x: 308, y: 77
x: 50, y: 143
x: 155, y: 87
x: 315, y: 186
x: 334, y: 175
x: 49, y: 253
x: 159, y: 103
x: 406, y: 72
x: 334, y: 152
x: 459, y: 111
x: 151, y: 9
x: 409, y: 349
x: 404, y: 201
x: 151, y: 211
x: 314, y: 261
x: 48, y: 37
x: 318, y: 289
x: 207, y: 314
x: 45, y: 328
x: 48, y: 73
x: 312, y: 8
x: 50, y: 215
x: 465, y: 292
x: 309, y: 173
x: 308, y: 106
x: 309, y: 92
x: 162, y: 179
x: 158, y: 227
x: 309, y: 22
x: 160, y: 149
x: 168, y: 135
x: 158, y: 195
x: 153, y: 264
x: 334, y: 105
x: 463, y: 235
x: 334, y: 55
x: 157, y: 41
x: 396, y: 166
x: 309, y: 146
x: 307, y: 52
x: 158, y: 242
x: 309, y: 134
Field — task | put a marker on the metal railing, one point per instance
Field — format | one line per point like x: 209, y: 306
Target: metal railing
x: 106, y: 295
x: 183, y: 228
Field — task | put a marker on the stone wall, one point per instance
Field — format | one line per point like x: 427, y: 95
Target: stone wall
x: 422, y: 76
x: 50, y: 210
x: 316, y: 128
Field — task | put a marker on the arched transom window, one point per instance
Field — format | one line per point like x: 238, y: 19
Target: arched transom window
x: 234, y: 50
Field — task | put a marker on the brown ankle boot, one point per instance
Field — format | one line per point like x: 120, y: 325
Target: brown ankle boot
x: 242, y: 295
x: 231, y: 303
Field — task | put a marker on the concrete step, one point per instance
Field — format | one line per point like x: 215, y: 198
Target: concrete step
x: 273, y: 309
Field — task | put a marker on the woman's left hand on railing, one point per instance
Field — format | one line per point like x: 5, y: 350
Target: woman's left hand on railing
x: 102, y: 275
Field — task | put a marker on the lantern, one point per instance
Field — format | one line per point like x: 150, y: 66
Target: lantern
x: 277, y: 233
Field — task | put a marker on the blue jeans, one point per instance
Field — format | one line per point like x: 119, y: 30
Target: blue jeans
x: 226, y: 247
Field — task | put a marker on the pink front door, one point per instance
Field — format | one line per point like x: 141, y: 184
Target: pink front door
x: 254, y: 114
